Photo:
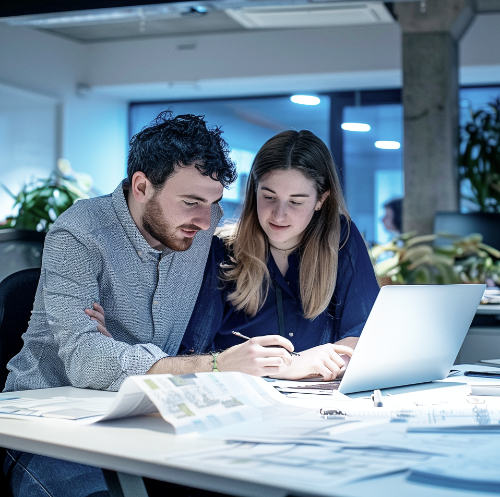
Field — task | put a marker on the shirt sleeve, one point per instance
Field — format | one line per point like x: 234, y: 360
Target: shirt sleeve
x: 91, y: 360
x: 356, y: 288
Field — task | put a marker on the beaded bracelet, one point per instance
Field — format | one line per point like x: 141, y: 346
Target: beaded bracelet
x: 214, y: 358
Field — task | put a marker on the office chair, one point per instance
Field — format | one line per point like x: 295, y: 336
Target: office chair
x: 17, y: 294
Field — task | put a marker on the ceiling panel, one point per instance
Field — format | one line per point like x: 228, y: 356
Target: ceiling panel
x: 214, y: 21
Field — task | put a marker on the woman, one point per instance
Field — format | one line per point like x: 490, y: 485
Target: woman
x: 293, y: 274
x: 295, y: 265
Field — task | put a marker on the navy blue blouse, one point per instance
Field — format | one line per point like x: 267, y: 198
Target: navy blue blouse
x: 214, y: 318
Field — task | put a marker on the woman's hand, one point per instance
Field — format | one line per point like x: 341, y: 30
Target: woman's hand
x: 259, y: 356
x: 97, y: 314
x: 323, y: 360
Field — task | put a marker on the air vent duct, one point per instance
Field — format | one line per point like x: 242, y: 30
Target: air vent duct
x: 312, y: 15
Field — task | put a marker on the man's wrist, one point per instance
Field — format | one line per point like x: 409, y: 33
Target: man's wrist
x: 185, y: 364
x: 158, y: 367
x: 215, y: 368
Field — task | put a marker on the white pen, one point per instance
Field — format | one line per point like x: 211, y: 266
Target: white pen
x: 248, y: 338
x: 377, y: 398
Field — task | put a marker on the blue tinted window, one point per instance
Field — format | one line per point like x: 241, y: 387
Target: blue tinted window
x: 473, y: 99
x: 372, y: 175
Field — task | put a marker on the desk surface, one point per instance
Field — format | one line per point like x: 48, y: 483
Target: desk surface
x: 140, y: 446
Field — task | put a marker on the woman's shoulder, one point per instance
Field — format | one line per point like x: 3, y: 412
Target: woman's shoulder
x: 221, y: 243
x: 350, y: 237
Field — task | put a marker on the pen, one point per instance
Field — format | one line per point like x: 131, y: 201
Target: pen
x: 248, y: 338
x: 377, y: 398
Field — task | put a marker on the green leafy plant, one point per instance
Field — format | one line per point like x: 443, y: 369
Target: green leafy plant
x: 41, y: 201
x: 410, y: 259
x: 479, y: 158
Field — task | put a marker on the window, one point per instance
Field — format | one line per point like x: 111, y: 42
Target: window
x: 473, y: 99
x: 367, y: 133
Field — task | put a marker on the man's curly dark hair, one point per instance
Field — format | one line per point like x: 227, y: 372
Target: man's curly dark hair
x: 169, y: 142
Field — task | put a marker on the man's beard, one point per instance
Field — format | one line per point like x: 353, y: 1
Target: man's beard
x: 165, y: 233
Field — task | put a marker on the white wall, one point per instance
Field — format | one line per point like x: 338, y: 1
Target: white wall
x: 480, y: 53
x: 90, y: 132
x: 246, y: 59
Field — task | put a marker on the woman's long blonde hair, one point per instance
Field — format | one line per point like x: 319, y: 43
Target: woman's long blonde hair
x: 319, y: 246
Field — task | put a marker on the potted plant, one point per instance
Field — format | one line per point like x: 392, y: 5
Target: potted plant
x: 41, y: 201
x: 410, y: 259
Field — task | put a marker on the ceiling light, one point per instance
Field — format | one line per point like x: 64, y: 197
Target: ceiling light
x: 305, y: 99
x: 388, y: 145
x: 355, y: 127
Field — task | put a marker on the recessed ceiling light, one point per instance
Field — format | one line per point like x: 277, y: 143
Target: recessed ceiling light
x: 388, y: 145
x: 355, y: 127
x: 305, y: 99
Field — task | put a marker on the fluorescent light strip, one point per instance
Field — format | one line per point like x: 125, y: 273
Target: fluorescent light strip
x: 355, y: 127
x: 305, y: 99
x: 388, y: 145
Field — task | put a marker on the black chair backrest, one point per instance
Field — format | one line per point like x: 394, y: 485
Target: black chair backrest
x: 17, y: 294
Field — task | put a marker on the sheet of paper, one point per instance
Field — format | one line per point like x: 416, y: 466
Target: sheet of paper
x: 474, y: 469
x: 301, y: 427
x: 301, y: 467
x: 197, y: 402
x: 57, y: 407
x: 396, y: 435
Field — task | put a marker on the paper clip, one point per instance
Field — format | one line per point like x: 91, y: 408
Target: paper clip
x: 332, y: 414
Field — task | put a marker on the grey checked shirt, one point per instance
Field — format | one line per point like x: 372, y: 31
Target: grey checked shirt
x: 95, y: 253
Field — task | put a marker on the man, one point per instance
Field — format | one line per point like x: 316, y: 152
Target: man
x: 128, y: 251
x: 141, y: 253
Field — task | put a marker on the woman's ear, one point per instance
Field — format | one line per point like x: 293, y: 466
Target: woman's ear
x: 319, y: 203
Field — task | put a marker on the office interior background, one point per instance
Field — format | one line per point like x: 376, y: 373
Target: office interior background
x: 78, y: 86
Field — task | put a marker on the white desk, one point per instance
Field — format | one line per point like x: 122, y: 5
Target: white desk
x: 138, y: 446
x: 132, y: 446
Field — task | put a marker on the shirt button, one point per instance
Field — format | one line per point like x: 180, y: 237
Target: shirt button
x: 139, y: 253
x: 290, y: 334
x: 155, y: 302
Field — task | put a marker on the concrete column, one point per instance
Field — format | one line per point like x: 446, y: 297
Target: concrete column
x: 431, y: 31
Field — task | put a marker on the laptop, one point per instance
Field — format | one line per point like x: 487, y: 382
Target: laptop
x: 412, y: 335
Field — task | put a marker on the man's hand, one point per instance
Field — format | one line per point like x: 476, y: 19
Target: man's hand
x: 259, y: 356
x: 323, y: 360
x: 97, y: 314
